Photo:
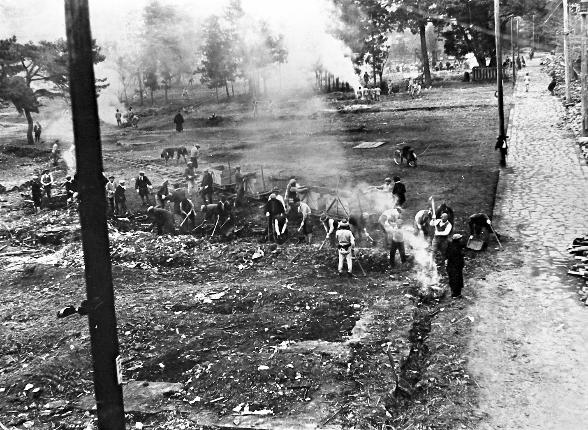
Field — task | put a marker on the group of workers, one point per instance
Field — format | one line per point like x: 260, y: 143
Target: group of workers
x: 372, y: 94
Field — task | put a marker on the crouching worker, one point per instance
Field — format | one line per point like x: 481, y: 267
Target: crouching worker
x: 330, y: 225
x: 346, y: 243
x: 163, y: 220
x: 188, y: 217
x: 479, y: 223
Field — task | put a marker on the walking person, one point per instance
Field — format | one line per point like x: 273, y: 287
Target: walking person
x: 455, y: 265
x: 179, y: 121
x: 120, y: 198
x: 110, y: 190
x: 118, y: 117
x: 47, y: 182
x: 143, y: 187
x: 346, y: 243
x: 527, y: 82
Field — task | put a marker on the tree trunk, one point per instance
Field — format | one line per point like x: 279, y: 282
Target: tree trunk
x: 232, y: 89
x: 425, y: 54
x: 30, y: 139
x: 140, y: 81
x: 227, y: 89
x: 151, y: 96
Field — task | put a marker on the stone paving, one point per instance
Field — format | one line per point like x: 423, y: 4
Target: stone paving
x: 529, y: 347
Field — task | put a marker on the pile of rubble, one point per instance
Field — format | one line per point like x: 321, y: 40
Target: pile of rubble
x: 579, y: 248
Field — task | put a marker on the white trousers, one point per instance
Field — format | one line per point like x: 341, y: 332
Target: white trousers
x: 345, y: 255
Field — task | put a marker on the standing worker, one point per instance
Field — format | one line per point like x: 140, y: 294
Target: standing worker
x: 37, y: 130
x: 47, y: 182
x: 240, y: 186
x: 118, y: 117
x: 206, y: 187
x: 399, y: 192
x: 36, y: 193
x: 120, y: 198
x: 346, y: 243
x: 455, y: 264
x: 306, y: 224
x: 441, y: 238
x: 194, y: 153
x: 291, y: 196
x: 143, y: 187
x: 179, y: 121
x: 55, y: 153
x: 188, y: 216
x: 273, y: 208
x: 396, y: 241
x: 190, y: 177
x: 110, y: 190
x: 386, y: 186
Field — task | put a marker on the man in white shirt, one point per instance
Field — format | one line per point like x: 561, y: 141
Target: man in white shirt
x: 396, y: 241
x: 346, y: 243
x: 441, y: 238
x: 306, y: 224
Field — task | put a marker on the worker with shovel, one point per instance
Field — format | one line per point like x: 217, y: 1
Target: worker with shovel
x: 188, y: 216
x: 163, y: 220
x: 441, y: 237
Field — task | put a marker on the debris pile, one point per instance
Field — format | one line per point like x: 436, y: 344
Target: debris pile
x: 579, y: 248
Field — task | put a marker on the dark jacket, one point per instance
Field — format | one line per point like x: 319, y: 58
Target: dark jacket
x: 163, y: 220
x: 119, y: 194
x: 206, y: 180
x: 454, y: 254
x: 274, y: 207
x: 36, y: 190
x: 399, y: 189
x: 142, y: 184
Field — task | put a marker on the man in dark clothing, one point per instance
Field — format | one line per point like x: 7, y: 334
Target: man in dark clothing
x: 167, y: 154
x: 37, y: 193
x: 177, y: 196
x: 478, y: 223
x: 399, y: 191
x: 224, y: 208
x: 206, y: 187
x: 188, y: 216
x: 163, y: 220
x: 179, y: 121
x: 143, y: 186
x: 47, y: 182
x: 552, y: 85
x: 502, y: 145
x: 37, y: 130
x: 120, y: 198
x: 273, y: 208
x: 455, y: 264
x: 70, y: 188
x: 162, y: 194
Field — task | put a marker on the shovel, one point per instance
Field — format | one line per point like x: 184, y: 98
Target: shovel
x: 215, y: 225
x: 496, y: 236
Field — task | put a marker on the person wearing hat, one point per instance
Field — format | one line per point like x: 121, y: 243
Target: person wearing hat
x: 194, y: 153
x: 346, y: 243
x: 274, y: 209
x: 399, y: 192
x: 110, y: 188
x: 162, y: 194
x: 143, y: 186
x: 386, y: 186
x: 36, y: 193
x: 239, y: 185
x: 162, y: 219
x: 120, y: 198
x: 206, y: 187
x: 455, y: 264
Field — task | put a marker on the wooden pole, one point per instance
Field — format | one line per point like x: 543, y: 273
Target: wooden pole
x: 566, y: 48
x: 512, y: 50
x: 95, y: 245
x: 500, y: 92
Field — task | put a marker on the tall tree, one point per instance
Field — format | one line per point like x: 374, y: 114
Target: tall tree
x: 151, y: 82
x: 217, y: 63
x: 33, y: 70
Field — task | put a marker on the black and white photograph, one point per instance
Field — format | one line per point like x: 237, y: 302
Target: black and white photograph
x: 294, y: 215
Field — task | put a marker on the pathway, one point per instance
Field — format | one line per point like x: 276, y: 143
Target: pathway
x: 529, y: 347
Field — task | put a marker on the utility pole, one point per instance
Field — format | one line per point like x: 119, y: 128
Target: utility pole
x: 512, y: 49
x: 584, y: 72
x: 566, y: 32
x: 533, y: 44
x: 500, y: 92
x: 518, y: 44
x: 97, y: 266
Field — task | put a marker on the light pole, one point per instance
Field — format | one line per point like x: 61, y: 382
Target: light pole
x: 584, y: 72
x: 566, y: 32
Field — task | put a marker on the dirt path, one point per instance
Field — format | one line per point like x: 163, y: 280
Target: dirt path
x: 528, y: 350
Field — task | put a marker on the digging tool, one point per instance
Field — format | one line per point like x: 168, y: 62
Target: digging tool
x: 496, y: 236
x: 356, y: 258
x: 215, y: 225
x: 323, y: 244
x: 433, y: 206
x: 182, y: 223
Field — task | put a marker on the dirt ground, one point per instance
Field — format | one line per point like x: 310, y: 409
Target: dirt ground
x: 275, y: 342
